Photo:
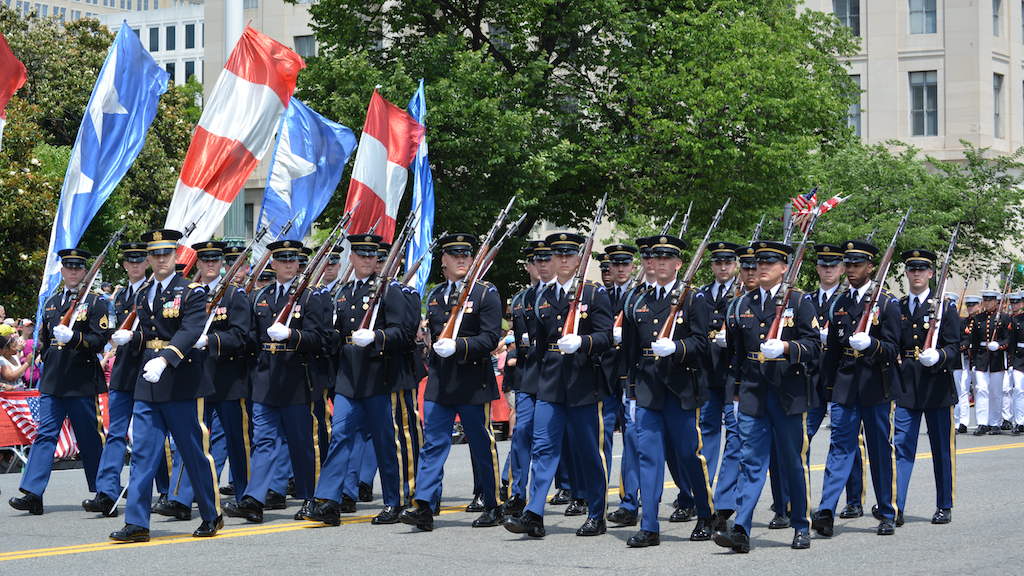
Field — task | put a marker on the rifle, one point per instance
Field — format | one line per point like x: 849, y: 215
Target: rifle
x: 757, y: 231
x: 679, y: 296
x: 670, y: 221
x: 216, y: 296
x: 686, y: 221
x: 451, y: 328
x: 868, y: 317
x: 255, y: 271
x: 963, y: 294
x: 80, y: 292
x: 940, y: 290
x: 639, y: 274
x: 387, y: 273
x: 411, y: 272
x: 344, y: 277
x: 313, y: 270
x: 1002, y: 301
x: 131, y: 321
x: 572, y: 317
x: 785, y: 292
x: 493, y: 252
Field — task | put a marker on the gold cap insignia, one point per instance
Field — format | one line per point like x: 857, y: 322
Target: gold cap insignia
x: 763, y: 245
x: 460, y: 238
x: 663, y: 240
x: 562, y: 236
x: 849, y: 246
x: 917, y: 253
x: 721, y: 245
x: 158, y: 235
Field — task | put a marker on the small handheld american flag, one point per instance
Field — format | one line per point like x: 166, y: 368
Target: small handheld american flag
x: 804, y: 205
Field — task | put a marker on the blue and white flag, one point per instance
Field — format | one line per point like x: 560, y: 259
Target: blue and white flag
x: 120, y: 111
x: 422, y: 198
x: 309, y: 158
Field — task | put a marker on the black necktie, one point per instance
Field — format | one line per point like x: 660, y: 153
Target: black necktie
x: 913, y: 307
x: 128, y: 294
x: 824, y: 299
x: 721, y: 290
x: 159, y: 291
x: 280, y: 294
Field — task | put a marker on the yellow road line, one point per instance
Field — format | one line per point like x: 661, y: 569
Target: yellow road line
x: 259, y: 529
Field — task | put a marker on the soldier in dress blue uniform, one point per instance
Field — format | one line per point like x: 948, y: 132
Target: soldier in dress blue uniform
x: 926, y: 388
x: 989, y: 341
x: 71, y: 382
x: 862, y: 369
x: 371, y: 363
x: 1016, y: 398
x: 461, y: 383
x: 407, y: 413
x: 570, y: 393
x: 283, y: 391
x: 669, y: 391
x: 774, y: 393
x: 170, y: 392
x: 121, y: 387
x: 605, y: 266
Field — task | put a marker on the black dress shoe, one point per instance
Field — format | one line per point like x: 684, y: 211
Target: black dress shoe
x: 1018, y: 430
x: 735, y: 539
x: 477, y: 505
x: 249, y: 508
x: 981, y: 430
x: 681, y: 514
x: 131, y: 533
x: 173, y: 509
x: 851, y: 511
x: 347, y: 505
x: 778, y: 522
x: 942, y: 516
x: 577, y: 507
x: 419, y: 516
x: 290, y: 489
x: 899, y: 518
x: 228, y: 489
x: 209, y: 529
x: 101, y: 504
x: 801, y: 541
x: 592, y: 527
x: 823, y: 523
x: 28, y: 503
x: 643, y: 539
x: 885, y: 528
x: 961, y: 429
x: 488, y: 518
x: 526, y: 523
x: 305, y: 510
x: 720, y: 520
x: 561, y: 498
x: 324, y: 511
x: 387, y: 515
x: 875, y: 513
x: 994, y: 431
x: 702, y: 531
x: 623, y: 517
x: 275, y: 501
x: 513, y: 506
x: 365, y: 492
x: 1006, y: 425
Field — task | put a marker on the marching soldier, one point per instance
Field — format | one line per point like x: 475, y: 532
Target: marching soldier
x: 771, y: 374
x: 965, y: 379
x: 170, y: 392
x: 668, y: 389
x: 569, y: 398
x: 460, y: 382
x: 371, y: 363
x: 926, y: 387
x: 989, y: 338
x: 1016, y: 396
x: 606, y: 270
x: 861, y: 366
x: 283, y: 393
x: 72, y: 381
x: 620, y: 263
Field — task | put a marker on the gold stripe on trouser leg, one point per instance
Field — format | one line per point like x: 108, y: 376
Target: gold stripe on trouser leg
x: 952, y: 453
x: 168, y: 458
x: 703, y: 462
x: 864, y: 465
x: 246, y: 441
x: 410, y: 471
x: 496, y: 469
x: 804, y: 446
x: 600, y: 451
x: 396, y: 412
x: 99, y: 422
x: 201, y: 417
x: 328, y: 413
x: 892, y: 455
x: 316, y: 443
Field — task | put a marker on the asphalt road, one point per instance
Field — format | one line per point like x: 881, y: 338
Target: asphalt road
x: 984, y: 537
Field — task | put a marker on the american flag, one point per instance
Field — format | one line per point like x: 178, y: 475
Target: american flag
x: 804, y: 205
x: 24, y: 412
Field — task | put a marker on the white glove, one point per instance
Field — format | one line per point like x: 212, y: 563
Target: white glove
x: 363, y: 337
x: 444, y: 347
x: 202, y: 342
x: 823, y: 334
x: 860, y: 341
x: 617, y: 335
x: 663, y: 347
x: 62, y: 333
x: 720, y: 339
x: 569, y: 343
x: 992, y: 346
x: 773, y: 348
x: 278, y: 332
x: 121, y: 337
x: 930, y: 357
x: 153, y: 369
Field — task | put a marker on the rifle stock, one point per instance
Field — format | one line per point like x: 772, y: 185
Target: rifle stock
x: 572, y: 316
x: 868, y: 317
x: 931, y: 337
x: 83, y: 289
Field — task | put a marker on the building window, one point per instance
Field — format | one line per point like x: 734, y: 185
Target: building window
x: 997, y: 105
x: 848, y: 12
x: 924, y: 103
x: 154, y: 39
x: 190, y: 69
x: 250, y: 219
x: 136, y: 30
x: 170, y: 38
x: 922, y: 16
x: 170, y: 70
x: 997, y: 9
x: 854, y: 114
x: 305, y: 46
x: 190, y: 36
x: 250, y: 4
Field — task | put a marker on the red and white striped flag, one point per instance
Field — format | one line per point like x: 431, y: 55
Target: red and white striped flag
x: 805, y: 204
x: 235, y: 130
x: 387, y: 147
x: 23, y: 410
x: 12, y: 77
